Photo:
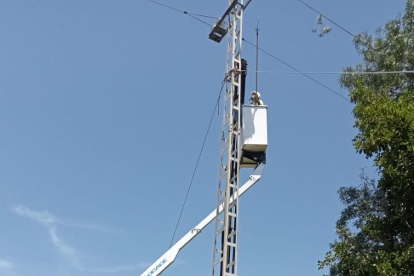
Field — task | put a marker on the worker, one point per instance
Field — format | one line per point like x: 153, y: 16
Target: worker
x: 256, y: 98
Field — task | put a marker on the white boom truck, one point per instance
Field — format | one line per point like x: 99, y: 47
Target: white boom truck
x: 169, y: 257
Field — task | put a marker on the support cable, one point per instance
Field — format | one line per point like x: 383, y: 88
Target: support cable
x: 198, y: 160
x: 339, y: 26
x: 193, y: 15
x: 297, y: 70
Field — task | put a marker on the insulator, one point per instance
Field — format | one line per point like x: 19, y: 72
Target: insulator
x: 320, y: 19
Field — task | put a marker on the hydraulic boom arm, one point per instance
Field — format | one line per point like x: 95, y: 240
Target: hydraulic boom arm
x: 169, y: 257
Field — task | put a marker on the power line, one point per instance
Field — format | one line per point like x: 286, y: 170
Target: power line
x: 318, y: 82
x: 335, y: 73
x: 198, y: 160
x: 193, y: 15
x: 336, y: 24
x: 297, y: 70
x: 202, y: 15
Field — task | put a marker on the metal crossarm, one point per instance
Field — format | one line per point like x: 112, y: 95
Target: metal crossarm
x: 219, y: 30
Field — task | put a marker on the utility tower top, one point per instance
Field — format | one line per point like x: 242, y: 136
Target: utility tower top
x: 220, y: 29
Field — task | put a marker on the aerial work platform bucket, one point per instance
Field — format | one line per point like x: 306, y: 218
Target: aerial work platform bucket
x: 253, y: 135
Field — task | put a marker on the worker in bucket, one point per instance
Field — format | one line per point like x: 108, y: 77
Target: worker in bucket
x: 255, y: 99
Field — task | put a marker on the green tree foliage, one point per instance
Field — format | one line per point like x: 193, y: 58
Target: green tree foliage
x: 376, y: 229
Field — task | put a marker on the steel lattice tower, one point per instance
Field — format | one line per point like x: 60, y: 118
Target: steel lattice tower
x: 226, y: 227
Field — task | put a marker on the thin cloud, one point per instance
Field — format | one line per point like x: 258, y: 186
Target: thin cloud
x: 46, y: 218
x: 50, y: 222
x: 65, y: 249
x: 5, y: 265
x: 43, y: 217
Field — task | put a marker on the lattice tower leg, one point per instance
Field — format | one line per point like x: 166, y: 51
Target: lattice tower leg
x: 226, y: 227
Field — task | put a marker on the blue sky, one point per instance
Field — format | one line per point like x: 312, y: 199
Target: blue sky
x: 103, y: 108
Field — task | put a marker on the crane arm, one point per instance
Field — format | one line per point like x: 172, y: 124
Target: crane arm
x: 169, y: 257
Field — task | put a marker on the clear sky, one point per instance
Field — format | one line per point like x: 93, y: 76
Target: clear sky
x: 103, y: 108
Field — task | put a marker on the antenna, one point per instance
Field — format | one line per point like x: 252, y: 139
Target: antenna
x: 257, y: 50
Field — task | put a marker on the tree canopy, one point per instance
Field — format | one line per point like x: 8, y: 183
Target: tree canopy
x: 376, y: 228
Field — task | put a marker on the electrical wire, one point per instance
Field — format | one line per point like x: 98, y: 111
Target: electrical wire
x: 204, y: 22
x: 193, y: 15
x: 336, y: 24
x: 335, y: 73
x: 318, y: 82
x: 297, y: 70
x: 202, y: 15
x: 198, y: 160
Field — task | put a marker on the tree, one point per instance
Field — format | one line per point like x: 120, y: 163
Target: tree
x: 376, y: 228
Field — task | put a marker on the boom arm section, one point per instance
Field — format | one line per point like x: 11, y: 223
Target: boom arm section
x: 169, y: 257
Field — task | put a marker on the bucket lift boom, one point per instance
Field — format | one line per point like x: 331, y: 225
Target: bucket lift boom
x: 169, y: 257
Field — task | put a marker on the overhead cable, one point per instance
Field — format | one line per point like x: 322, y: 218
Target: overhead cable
x: 193, y: 15
x: 298, y: 71
x: 318, y: 82
x: 198, y: 160
x: 336, y: 24
x: 335, y: 73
